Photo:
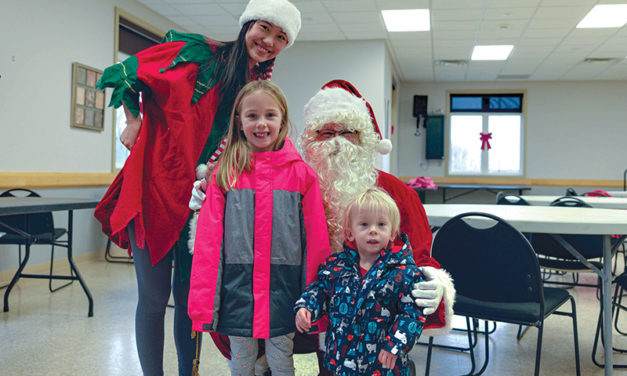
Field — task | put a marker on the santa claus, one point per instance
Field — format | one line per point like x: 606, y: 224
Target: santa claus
x: 341, y: 141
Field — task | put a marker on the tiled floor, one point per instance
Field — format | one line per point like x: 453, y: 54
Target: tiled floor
x: 50, y: 334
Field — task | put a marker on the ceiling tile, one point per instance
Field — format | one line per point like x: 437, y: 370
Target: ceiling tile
x: 350, y: 5
x: 411, y: 35
x: 563, y: 12
x: 364, y: 35
x: 508, y: 13
x: 438, y: 15
x: 403, y: 4
x: 319, y: 28
x: 457, y: 4
x: 511, y: 3
x: 454, y: 25
x: 374, y: 18
x: 197, y: 9
x: 212, y: 21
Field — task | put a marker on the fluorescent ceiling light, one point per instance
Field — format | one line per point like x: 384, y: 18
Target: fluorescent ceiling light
x: 406, y: 20
x: 499, y: 52
x: 606, y: 15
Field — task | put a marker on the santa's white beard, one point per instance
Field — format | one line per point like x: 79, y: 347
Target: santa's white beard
x: 344, y: 169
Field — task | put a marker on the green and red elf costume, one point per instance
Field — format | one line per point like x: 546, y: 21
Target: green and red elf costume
x: 184, y: 121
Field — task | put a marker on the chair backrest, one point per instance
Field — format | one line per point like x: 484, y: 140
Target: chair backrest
x: 570, y: 192
x: 510, y: 199
x: 570, y: 201
x: 38, y: 223
x: 489, y: 260
x: 590, y: 246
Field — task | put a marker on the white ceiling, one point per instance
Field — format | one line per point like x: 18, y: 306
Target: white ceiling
x: 547, y: 46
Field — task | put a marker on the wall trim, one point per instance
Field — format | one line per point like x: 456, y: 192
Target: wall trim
x: 34, y: 180
x: 10, y: 180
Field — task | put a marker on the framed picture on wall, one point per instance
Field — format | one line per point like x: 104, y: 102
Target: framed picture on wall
x: 88, y: 103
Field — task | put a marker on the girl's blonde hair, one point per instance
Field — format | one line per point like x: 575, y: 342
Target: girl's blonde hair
x: 373, y: 200
x: 236, y: 156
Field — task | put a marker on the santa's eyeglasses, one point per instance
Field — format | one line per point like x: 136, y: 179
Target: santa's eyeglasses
x: 327, y: 133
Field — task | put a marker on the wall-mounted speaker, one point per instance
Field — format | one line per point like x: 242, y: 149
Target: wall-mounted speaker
x: 420, y: 106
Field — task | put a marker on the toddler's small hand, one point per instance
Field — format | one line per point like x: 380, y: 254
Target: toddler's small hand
x: 387, y: 359
x: 303, y: 320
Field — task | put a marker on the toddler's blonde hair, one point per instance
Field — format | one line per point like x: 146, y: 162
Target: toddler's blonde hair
x: 373, y: 200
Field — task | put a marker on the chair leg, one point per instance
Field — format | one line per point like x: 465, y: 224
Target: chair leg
x: 487, y: 350
x: 575, y: 335
x: 618, y: 300
x: 51, y: 269
x: 599, y: 334
x: 471, y: 348
x: 458, y: 348
x: 539, y: 348
x: 429, y: 351
x: 521, y: 332
x: 116, y: 259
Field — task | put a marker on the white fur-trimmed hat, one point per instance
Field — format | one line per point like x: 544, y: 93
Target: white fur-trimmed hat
x: 339, y: 102
x: 280, y: 12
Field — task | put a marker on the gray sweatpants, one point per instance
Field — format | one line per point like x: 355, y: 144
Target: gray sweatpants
x: 278, y: 353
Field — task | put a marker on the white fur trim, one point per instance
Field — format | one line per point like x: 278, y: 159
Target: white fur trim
x: 448, y: 298
x: 384, y: 146
x: 280, y: 12
x: 193, y: 223
x: 336, y: 105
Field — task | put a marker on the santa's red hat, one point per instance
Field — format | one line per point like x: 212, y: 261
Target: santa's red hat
x: 339, y: 102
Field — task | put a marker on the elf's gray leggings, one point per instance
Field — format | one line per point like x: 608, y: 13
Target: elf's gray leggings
x: 153, y: 285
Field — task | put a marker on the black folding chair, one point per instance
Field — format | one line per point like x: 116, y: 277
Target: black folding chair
x: 39, y: 226
x: 497, y: 277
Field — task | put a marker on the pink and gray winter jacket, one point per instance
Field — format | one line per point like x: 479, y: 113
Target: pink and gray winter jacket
x: 257, y: 246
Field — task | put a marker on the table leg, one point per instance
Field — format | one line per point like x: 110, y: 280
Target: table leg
x: 17, y: 274
x: 606, y: 287
x: 607, y: 303
x: 70, y: 232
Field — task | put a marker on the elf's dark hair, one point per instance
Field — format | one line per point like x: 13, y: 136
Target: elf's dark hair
x: 231, y: 66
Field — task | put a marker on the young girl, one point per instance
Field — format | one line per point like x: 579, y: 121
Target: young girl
x: 366, y: 290
x: 261, y: 235
x: 188, y: 84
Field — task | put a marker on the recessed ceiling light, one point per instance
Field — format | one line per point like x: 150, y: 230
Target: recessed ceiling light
x: 605, y: 15
x: 497, y: 52
x: 406, y: 20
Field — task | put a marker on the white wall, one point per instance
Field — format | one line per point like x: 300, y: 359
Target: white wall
x: 46, y: 37
x: 574, y: 130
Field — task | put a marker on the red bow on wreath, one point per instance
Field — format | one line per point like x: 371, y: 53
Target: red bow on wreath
x: 485, y: 143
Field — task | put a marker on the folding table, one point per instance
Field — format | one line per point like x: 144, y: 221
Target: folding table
x: 31, y: 205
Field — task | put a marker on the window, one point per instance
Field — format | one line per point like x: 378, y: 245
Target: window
x: 486, y: 134
x: 132, y: 36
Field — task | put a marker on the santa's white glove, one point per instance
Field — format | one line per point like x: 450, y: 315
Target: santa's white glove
x: 198, y: 196
x: 428, y: 293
